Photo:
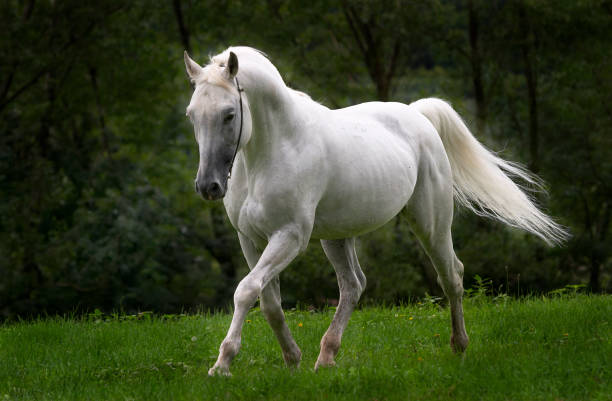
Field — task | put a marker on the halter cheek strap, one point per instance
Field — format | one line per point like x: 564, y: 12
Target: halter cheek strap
x: 240, y: 132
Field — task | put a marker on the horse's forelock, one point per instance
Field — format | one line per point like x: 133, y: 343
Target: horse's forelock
x: 213, y: 74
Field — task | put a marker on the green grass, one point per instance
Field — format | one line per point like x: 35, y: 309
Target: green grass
x: 530, y: 349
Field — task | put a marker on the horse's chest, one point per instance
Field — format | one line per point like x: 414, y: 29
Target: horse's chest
x: 260, y: 217
x: 251, y: 222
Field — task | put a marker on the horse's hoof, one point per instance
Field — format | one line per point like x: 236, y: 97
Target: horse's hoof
x: 292, y: 360
x: 321, y: 364
x: 219, y: 371
x: 459, y: 344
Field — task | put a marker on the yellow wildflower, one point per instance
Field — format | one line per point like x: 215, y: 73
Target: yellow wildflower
x: 300, y: 324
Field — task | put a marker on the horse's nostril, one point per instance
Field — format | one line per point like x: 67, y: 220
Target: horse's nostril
x: 214, y: 189
x: 209, y: 190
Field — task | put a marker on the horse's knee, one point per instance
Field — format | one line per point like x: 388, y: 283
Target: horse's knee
x: 246, y: 293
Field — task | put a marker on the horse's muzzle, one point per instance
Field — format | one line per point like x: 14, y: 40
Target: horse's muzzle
x: 210, y: 190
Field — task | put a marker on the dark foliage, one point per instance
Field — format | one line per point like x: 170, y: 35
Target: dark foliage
x: 97, y: 160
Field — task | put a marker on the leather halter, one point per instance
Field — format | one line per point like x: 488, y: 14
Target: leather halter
x: 240, y: 90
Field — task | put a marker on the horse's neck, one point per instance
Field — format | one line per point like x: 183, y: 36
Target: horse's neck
x: 273, y: 113
x: 261, y: 80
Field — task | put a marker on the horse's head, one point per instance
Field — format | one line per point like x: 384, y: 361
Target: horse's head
x: 216, y: 113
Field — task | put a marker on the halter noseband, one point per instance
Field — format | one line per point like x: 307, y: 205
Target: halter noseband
x: 240, y: 133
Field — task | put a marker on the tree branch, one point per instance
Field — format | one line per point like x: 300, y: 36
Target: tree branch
x: 23, y: 88
x: 394, y: 61
x: 53, y: 65
x: 350, y: 16
x: 183, y: 31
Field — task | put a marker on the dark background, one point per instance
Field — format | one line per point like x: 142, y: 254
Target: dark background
x: 97, y: 160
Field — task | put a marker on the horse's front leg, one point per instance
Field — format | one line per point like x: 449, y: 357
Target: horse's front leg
x: 282, y: 248
x: 270, y: 301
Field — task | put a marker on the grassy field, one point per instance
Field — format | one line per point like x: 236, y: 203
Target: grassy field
x: 557, y: 348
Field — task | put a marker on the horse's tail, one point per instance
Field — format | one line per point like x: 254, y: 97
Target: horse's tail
x: 481, y: 180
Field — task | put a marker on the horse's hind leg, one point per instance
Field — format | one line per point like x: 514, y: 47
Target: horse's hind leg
x: 351, y: 282
x: 270, y: 302
x: 430, y: 212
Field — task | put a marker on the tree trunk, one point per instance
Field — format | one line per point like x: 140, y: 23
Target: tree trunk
x: 476, y: 64
x: 598, y: 253
x: 530, y: 73
x: 382, y: 89
x: 594, y: 278
x: 381, y: 67
x: 93, y: 75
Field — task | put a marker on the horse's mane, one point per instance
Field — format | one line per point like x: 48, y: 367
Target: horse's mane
x: 213, y: 71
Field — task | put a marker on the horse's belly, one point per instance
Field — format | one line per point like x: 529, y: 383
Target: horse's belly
x: 365, y: 198
x: 351, y: 223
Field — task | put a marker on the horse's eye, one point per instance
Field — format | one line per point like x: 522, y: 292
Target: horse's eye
x: 228, y: 118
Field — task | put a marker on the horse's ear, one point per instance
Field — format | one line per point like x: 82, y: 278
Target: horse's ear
x: 232, y: 66
x: 193, y: 69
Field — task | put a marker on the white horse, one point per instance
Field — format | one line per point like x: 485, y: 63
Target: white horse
x: 304, y: 171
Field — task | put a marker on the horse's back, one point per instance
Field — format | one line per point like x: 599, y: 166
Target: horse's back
x: 373, y: 152
x: 398, y: 117
x: 404, y: 122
